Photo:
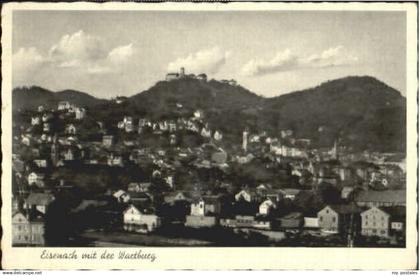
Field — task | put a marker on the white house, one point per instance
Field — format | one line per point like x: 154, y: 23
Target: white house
x: 35, y: 120
x: 135, y: 220
x: 205, y: 132
x: 80, y: 113
x: 217, y: 135
x: 36, y: 178
x: 121, y: 196
x: 40, y: 163
x: 70, y: 129
x: 246, y: 195
x: 197, y: 208
x: 63, y: 105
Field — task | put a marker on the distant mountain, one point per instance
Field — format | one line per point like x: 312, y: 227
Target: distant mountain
x: 195, y: 94
x: 32, y: 97
x: 360, y: 112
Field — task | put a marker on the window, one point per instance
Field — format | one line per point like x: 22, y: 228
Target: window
x: 327, y: 211
x: 366, y: 223
x: 374, y: 230
x: 374, y: 223
x: 383, y: 232
x: 320, y: 219
x: 333, y: 219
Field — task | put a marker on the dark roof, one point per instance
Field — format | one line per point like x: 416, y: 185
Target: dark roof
x: 397, y: 213
x: 39, y: 199
x: 292, y: 216
x: 345, y: 208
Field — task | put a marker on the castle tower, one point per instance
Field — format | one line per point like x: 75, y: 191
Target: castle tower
x: 182, y: 72
x: 245, y: 140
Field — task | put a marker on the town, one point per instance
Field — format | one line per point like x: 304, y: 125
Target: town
x: 179, y: 180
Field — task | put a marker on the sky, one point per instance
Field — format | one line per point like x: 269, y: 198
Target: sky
x: 111, y: 53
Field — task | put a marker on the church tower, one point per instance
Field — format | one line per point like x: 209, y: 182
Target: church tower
x: 245, y: 139
x: 54, y: 151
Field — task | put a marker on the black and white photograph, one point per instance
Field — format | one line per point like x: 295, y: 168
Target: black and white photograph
x: 209, y: 128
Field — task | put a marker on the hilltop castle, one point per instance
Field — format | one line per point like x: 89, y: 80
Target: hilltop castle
x: 181, y: 75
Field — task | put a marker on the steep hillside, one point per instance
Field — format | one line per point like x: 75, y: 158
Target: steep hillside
x: 32, y: 97
x: 361, y: 111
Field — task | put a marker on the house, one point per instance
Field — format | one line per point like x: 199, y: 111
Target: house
x: 289, y: 193
x: 35, y: 120
x: 346, y: 192
x: 219, y: 157
x: 245, y: 159
x: 36, y: 178
x: 247, y: 195
x: 286, y: 133
x: 262, y: 223
x: 206, y: 205
x: 372, y: 198
x: 80, y: 113
x: 107, y: 140
x: 254, y: 138
x: 114, y: 160
x: 46, y: 117
x: 382, y: 221
x: 200, y: 221
x: 244, y: 221
x: 63, y: 105
x: 135, y: 220
x: 174, y: 197
x: 375, y: 222
x: 70, y: 129
x: 205, y: 132
x: 218, y: 135
x: 46, y: 127
x: 141, y: 199
x: 38, y: 201
x: 310, y: 222
x: 121, y: 196
x: 121, y: 125
x: 338, y: 218
x: 139, y: 187
x: 292, y: 220
x: 40, y: 109
x: 28, y: 228
x: 266, y: 206
x: 42, y: 163
x: 68, y: 154
x: 398, y: 219
x: 198, y: 114
x: 26, y: 140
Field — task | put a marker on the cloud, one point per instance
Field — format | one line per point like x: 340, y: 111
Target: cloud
x: 121, y: 54
x: 204, y: 61
x: 288, y: 61
x: 26, y: 59
x: 76, y: 49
